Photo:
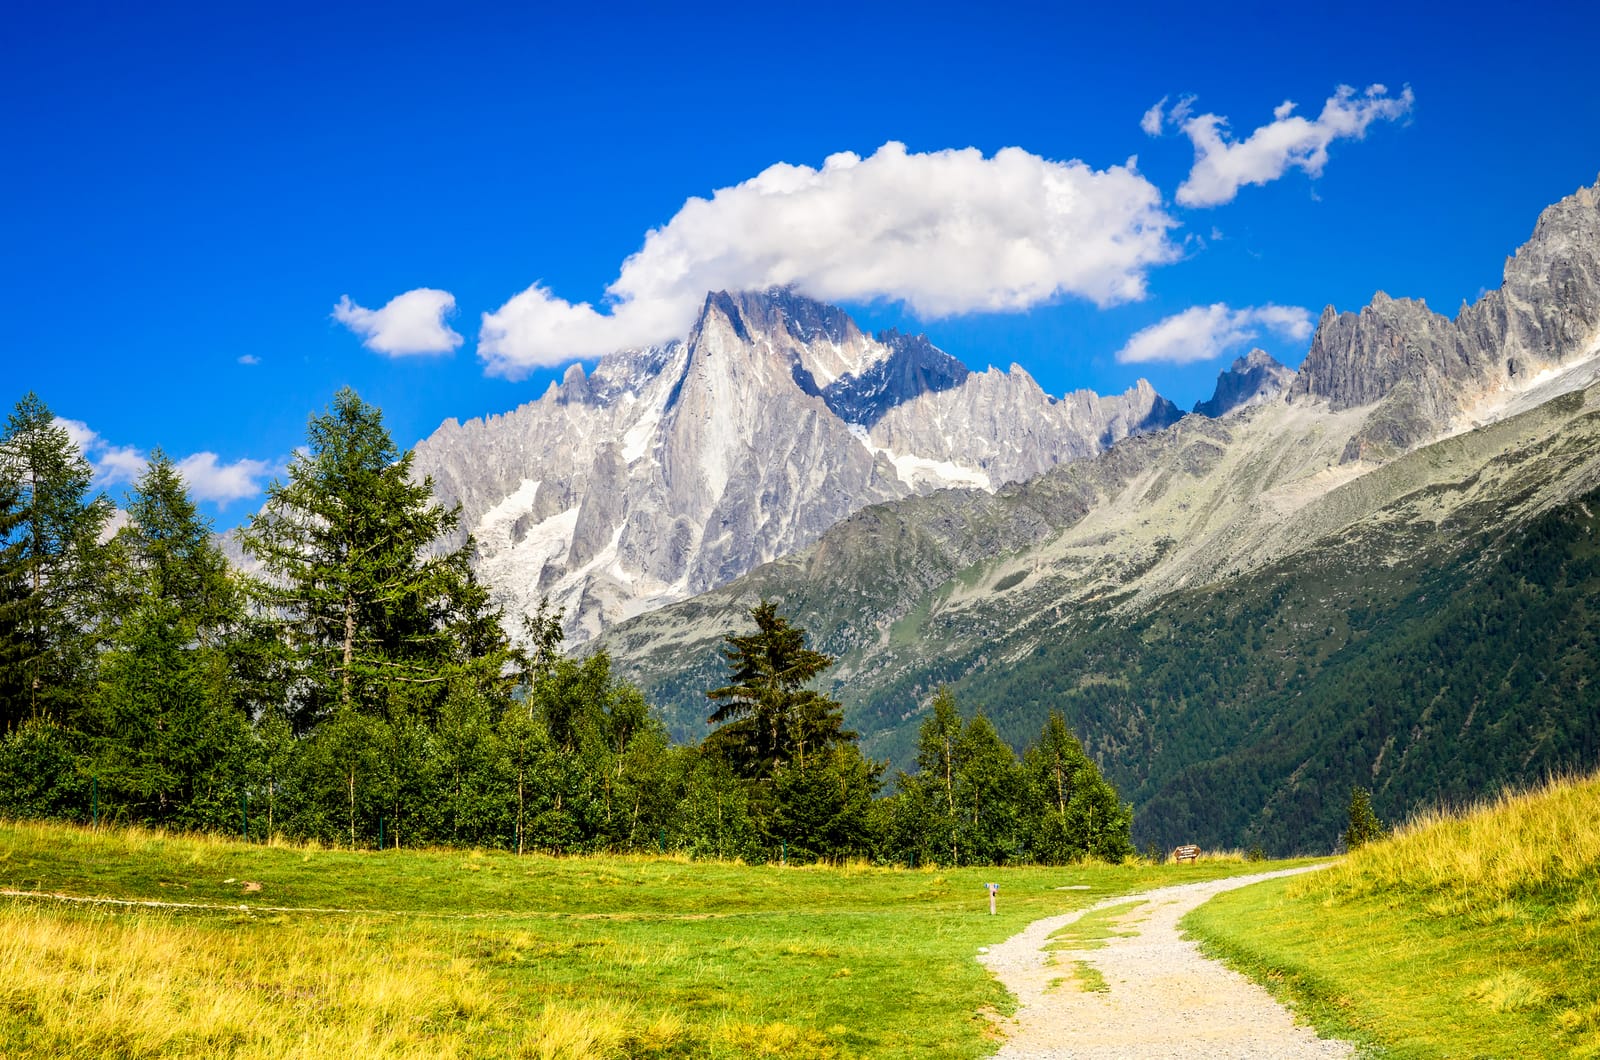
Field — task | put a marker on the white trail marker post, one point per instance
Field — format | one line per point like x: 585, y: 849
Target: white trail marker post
x: 994, y: 889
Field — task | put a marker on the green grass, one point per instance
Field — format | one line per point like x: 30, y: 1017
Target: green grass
x: 1470, y: 935
x: 1091, y: 930
x: 473, y: 953
x: 1089, y: 979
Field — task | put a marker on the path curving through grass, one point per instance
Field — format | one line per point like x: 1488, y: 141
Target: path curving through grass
x: 1118, y: 979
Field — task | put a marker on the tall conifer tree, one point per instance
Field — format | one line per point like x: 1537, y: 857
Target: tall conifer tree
x: 54, y: 550
x: 174, y: 726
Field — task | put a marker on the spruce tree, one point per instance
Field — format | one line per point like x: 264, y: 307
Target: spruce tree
x: 809, y: 788
x: 767, y: 716
x: 1364, y: 826
x: 173, y: 725
x: 53, y: 550
x: 352, y: 577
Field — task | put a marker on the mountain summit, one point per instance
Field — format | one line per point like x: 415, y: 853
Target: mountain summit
x: 673, y: 469
x: 1428, y: 374
x: 1252, y: 379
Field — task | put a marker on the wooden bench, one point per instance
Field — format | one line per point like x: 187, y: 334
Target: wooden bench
x: 1187, y: 852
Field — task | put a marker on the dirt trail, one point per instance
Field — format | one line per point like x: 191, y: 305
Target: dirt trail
x: 1163, y: 997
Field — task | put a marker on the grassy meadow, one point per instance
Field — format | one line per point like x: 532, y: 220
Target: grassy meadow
x: 302, y: 951
x: 1473, y: 934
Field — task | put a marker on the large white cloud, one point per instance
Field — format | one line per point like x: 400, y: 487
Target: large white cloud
x: 1223, y: 165
x: 211, y: 480
x: 1203, y: 333
x: 204, y: 473
x: 942, y: 232
x: 411, y: 323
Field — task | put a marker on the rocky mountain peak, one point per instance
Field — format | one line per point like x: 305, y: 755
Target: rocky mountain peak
x: 671, y: 469
x: 1253, y: 379
x: 1424, y: 372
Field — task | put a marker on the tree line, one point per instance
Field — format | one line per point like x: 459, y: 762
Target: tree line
x: 357, y: 686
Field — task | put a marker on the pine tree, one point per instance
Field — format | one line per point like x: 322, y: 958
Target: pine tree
x: 767, y: 717
x: 174, y: 730
x: 376, y: 621
x: 1364, y: 826
x: 53, y: 549
x: 352, y: 576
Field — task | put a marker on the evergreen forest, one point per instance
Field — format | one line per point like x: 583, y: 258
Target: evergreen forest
x: 354, y: 684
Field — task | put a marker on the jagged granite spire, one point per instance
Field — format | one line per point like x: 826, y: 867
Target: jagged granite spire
x: 1425, y: 371
x: 669, y: 470
x: 1253, y: 379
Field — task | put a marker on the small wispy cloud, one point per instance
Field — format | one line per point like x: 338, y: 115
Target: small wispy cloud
x: 249, y: 358
x: 208, y: 478
x: 409, y: 324
x: 941, y: 232
x: 1223, y: 165
x: 1203, y: 333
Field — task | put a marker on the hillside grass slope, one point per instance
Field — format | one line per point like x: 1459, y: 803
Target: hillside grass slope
x: 1467, y: 934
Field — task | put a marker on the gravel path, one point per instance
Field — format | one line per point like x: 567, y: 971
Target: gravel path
x: 1164, y: 998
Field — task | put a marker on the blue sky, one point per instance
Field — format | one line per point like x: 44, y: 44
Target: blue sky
x: 188, y: 192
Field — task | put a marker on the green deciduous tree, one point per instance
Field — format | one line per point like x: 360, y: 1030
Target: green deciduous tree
x: 1072, y: 812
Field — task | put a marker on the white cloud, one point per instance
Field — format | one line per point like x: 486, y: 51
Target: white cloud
x: 943, y: 232
x: 207, y: 478
x: 117, y: 464
x: 1223, y: 165
x: 1158, y: 115
x: 1151, y: 122
x: 210, y: 480
x: 411, y: 323
x: 1203, y: 333
x: 79, y: 433
x: 249, y: 358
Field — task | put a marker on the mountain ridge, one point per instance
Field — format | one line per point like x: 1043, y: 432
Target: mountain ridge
x: 954, y: 587
x: 670, y: 470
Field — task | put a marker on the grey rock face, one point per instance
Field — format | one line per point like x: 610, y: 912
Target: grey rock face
x: 1004, y: 426
x: 1425, y: 372
x: 671, y: 470
x: 914, y: 366
x: 1253, y: 379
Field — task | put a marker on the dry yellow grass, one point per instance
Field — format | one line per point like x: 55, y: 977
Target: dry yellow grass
x: 1470, y: 933
x: 144, y: 984
x: 150, y: 984
x: 1518, y: 845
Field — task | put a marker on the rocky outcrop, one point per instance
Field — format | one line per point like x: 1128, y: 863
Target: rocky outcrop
x: 1253, y: 379
x: 1004, y: 426
x: 1424, y: 372
x: 671, y: 470
x: 912, y: 367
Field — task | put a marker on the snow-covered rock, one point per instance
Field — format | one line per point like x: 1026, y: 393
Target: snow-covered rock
x: 671, y: 470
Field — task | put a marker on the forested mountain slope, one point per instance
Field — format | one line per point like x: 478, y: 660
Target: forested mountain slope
x: 1214, y: 605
